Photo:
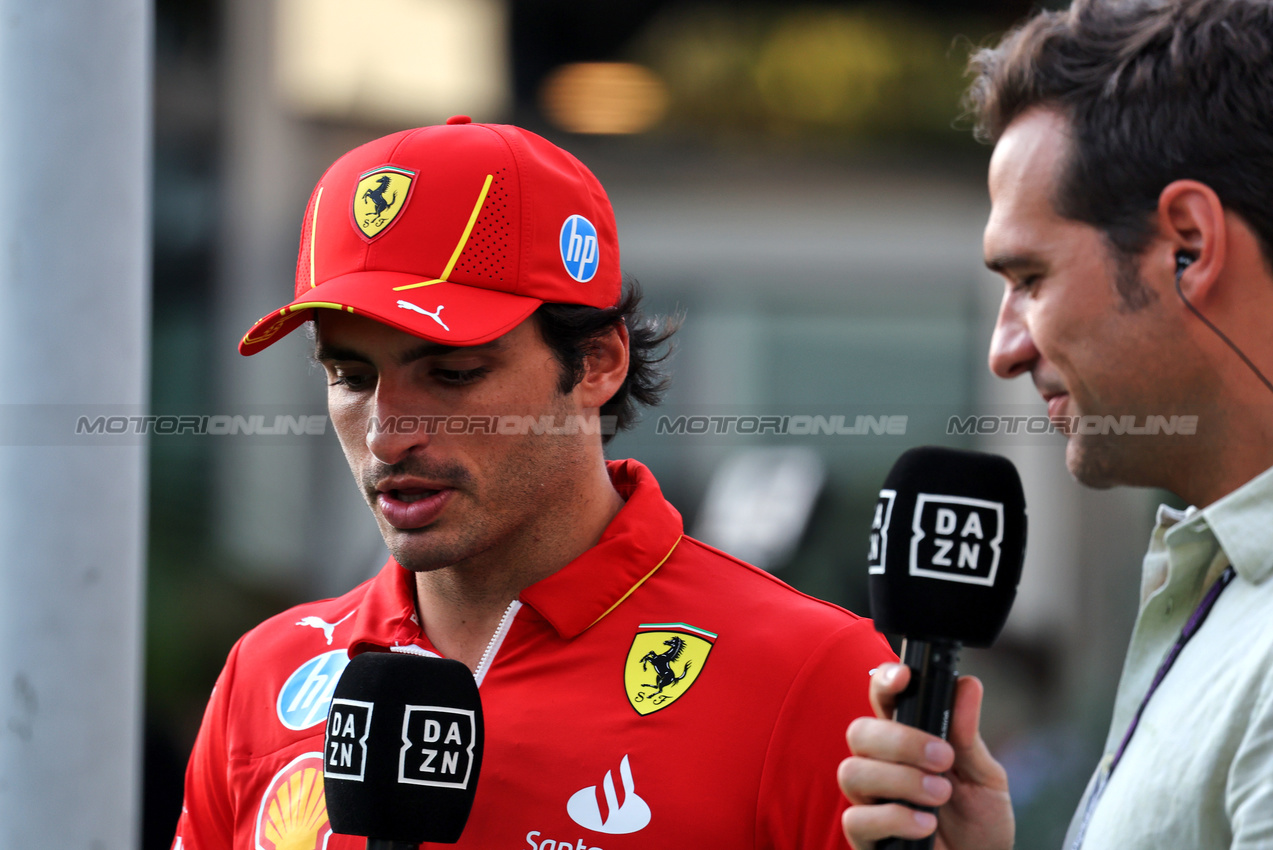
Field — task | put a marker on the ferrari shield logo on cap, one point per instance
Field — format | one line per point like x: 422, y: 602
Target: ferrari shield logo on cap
x: 663, y: 663
x: 378, y: 198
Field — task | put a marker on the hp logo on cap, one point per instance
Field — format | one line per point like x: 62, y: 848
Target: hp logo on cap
x: 580, y: 251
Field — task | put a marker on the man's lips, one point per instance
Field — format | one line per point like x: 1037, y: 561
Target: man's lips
x: 1057, y: 404
x: 411, y: 504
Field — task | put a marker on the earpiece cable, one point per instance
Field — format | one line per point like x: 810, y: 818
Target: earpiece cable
x: 1180, y: 271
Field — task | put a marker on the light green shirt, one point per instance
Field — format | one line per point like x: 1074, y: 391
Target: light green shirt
x: 1198, y: 772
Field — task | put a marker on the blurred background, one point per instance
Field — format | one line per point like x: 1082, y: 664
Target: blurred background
x: 793, y: 177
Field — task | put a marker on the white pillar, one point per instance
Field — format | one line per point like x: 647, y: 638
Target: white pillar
x: 74, y: 330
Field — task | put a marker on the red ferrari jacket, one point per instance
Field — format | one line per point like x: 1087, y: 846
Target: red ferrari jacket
x: 653, y: 693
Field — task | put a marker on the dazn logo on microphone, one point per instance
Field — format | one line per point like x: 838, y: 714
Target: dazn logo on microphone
x: 956, y: 538
x: 437, y: 746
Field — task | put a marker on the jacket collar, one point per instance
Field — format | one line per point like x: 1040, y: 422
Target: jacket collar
x: 634, y: 545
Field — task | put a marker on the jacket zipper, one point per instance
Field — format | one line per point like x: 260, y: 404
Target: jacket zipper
x: 497, y: 639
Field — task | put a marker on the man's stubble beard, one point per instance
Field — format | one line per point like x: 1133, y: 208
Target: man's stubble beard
x: 511, y: 517
x: 1099, y: 462
x: 1103, y: 461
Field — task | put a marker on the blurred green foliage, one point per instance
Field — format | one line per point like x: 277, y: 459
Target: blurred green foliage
x: 837, y: 72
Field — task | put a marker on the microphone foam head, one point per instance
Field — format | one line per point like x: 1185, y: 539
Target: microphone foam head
x: 403, y: 748
x: 947, y: 545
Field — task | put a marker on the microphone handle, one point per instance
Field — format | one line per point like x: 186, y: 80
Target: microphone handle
x: 926, y: 704
x: 390, y: 844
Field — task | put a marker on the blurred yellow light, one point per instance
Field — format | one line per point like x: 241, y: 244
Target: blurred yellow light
x: 393, y: 61
x: 604, y: 97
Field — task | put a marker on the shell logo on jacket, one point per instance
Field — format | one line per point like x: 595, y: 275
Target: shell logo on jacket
x: 293, y: 813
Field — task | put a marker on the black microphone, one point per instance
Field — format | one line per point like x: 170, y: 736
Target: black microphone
x: 947, y: 545
x: 403, y: 750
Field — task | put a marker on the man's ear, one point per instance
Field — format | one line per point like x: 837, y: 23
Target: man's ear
x: 605, y: 367
x: 1192, y: 228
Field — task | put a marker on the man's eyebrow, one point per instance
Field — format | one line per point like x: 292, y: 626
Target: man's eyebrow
x: 1010, y: 262
x: 325, y: 353
x: 435, y: 349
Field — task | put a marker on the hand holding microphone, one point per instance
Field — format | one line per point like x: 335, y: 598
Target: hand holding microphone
x: 947, y: 545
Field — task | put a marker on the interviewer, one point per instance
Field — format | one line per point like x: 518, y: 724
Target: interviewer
x: 1130, y: 221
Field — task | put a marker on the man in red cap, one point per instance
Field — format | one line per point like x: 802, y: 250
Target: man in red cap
x: 639, y: 688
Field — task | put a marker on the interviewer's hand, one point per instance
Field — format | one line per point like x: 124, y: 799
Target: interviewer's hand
x: 891, y: 761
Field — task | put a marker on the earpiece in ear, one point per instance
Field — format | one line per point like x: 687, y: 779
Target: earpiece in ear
x: 1182, y: 262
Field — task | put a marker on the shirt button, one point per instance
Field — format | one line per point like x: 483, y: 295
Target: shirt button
x: 1170, y: 606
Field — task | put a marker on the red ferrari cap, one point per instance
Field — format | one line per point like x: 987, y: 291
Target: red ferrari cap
x: 454, y: 233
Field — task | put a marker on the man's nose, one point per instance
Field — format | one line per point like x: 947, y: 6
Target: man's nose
x: 398, y: 425
x: 1012, y: 349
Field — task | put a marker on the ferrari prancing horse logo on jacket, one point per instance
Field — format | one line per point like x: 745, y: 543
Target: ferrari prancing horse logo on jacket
x: 663, y: 663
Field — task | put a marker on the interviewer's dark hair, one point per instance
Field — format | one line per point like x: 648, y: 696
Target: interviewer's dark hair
x: 572, y: 332
x: 1155, y: 92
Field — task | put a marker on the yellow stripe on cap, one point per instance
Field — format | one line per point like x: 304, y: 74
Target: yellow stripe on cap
x: 283, y: 315
x: 296, y: 308
x: 313, y: 235
x: 418, y: 285
x: 464, y: 238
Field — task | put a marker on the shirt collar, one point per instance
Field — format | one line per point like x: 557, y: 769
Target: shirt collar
x: 634, y: 545
x: 386, y: 615
x: 1241, y: 523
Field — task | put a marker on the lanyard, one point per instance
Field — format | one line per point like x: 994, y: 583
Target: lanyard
x: 1191, y: 628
